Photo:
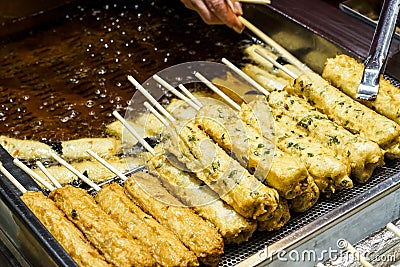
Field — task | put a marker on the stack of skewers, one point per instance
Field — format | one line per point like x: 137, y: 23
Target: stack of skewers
x: 221, y: 174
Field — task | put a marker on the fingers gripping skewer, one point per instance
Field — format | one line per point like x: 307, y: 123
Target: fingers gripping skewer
x: 48, y: 174
x: 12, y: 179
x: 33, y: 174
x: 156, y: 113
x: 217, y: 91
x: 134, y: 133
x: 190, y: 95
x: 76, y: 172
x: 268, y: 40
x: 392, y: 228
x: 148, y: 96
x: 107, y: 165
x: 175, y: 92
x: 276, y: 64
x: 245, y: 76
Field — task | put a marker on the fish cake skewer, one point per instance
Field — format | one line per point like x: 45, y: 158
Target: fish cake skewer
x: 345, y: 111
x: 321, y: 174
x: 76, y: 149
x: 345, y: 73
x: 330, y: 172
x: 233, y: 227
x: 106, y: 235
x: 224, y: 175
x: 248, y: 196
x: 282, y: 172
x: 364, y: 155
x: 71, y: 150
x: 63, y: 230
x: 165, y: 247
x: 199, y: 235
x: 55, y: 221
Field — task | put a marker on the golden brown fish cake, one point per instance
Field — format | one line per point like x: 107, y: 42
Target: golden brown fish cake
x: 199, y: 235
x: 105, y: 234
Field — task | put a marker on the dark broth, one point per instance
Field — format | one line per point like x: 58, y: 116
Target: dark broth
x: 62, y: 81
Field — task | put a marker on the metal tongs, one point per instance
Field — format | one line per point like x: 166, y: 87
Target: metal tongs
x: 376, y: 62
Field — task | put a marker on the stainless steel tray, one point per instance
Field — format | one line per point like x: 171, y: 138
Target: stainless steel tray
x: 367, y: 11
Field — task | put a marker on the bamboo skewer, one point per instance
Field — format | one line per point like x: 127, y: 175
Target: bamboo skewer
x: 110, y: 240
x: 47, y: 173
x: 394, y: 229
x: 75, y: 171
x: 148, y: 96
x: 217, y: 91
x: 12, y: 179
x: 275, y: 63
x: 133, y: 132
x: 175, y: 92
x: 357, y: 255
x: 107, y: 165
x: 190, y: 95
x: 268, y: 40
x: 245, y: 76
x: 156, y: 113
x: 62, y: 229
x: 36, y: 177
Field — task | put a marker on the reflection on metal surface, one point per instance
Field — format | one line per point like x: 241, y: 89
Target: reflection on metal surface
x: 367, y: 11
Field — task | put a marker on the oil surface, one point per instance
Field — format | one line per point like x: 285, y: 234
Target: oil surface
x: 63, y: 81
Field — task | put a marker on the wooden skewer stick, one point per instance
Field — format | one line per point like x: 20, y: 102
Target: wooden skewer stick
x: 275, y: 63
x: 75, y: 171
x: 158, y: 116
x: 12, y: 179
x: 48, y: 174
x: 158, y: 106
x: 190, y: 95
x: 36, y: 177
x: 268, y: 40
x: 217, y: 91
x: 261, y: 2
x: 150, y: 98
x: 357, y: 255
x: 245, y: 76
x: 133, y: 132
x: 394, y: 229
x: 156, y: 113
x: 107, y: 165
x: 175, y: 92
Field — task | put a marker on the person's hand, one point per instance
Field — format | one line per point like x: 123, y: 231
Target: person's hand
x: 218, y: 12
